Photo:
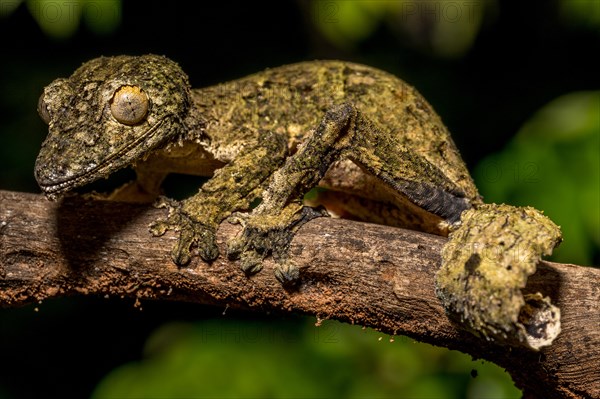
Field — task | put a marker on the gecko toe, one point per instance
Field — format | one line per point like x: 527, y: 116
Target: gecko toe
x: 198, y: 239
x: 180, y: 253
x: 158, y: 228
x: 207, y: 247
x: 287, y: 273
x: 181, y: 258
x: 251, y: 262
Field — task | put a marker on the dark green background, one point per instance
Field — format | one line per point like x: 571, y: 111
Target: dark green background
x: 524, y: 55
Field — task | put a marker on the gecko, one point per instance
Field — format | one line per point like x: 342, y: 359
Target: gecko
x: 264, y: 141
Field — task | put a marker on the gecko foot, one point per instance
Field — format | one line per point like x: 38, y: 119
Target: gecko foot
x: 264, y: 235
x: 192, y: 235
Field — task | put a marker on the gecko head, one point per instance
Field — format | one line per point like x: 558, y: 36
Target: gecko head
x: 110, y: 113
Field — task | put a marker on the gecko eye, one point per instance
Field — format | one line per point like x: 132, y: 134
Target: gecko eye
x: 43, y: 110
x: 129, y: 105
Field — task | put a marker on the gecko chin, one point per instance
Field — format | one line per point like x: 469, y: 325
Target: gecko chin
x: 57, y: 178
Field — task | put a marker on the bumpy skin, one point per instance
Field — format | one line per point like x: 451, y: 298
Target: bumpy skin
x: 490, y: 256
x: 272, y: 136
x: 360, y: 132
x: 85, y: 141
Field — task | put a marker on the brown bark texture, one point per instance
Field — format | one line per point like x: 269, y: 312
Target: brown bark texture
x: 376, y: 276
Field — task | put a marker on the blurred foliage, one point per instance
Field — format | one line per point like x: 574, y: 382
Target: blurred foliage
x: 60, y: 19
x: 445, y: 28
x: 580, y: 13
x: 224, y: 358
x: 553, y: 164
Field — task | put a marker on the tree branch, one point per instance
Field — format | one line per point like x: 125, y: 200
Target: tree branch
x: 376, y: 276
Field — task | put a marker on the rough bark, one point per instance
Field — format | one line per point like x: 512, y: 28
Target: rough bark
x: 376, y: 276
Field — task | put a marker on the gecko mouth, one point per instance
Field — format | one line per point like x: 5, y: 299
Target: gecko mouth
x: 53, y: 188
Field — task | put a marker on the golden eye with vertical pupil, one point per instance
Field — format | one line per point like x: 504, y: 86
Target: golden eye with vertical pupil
x: 129, y: 105
x: 43, y: 110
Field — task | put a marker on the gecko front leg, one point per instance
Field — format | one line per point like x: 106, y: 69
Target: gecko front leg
x: 343, y: 133
x: 232, y: 188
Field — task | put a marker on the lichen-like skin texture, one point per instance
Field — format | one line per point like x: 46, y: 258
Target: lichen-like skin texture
x: 485, y: 265
x: 270, y: 136
x: 365, y: 135
x: 85, y: 141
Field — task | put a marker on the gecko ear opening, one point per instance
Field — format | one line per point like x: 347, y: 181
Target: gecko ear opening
x: 129, y: 105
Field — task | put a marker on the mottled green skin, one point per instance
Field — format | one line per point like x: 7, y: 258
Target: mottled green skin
x: 272, y: 137
x: 489, y: 257
x: 292, y: 101
x: 85, y: 142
